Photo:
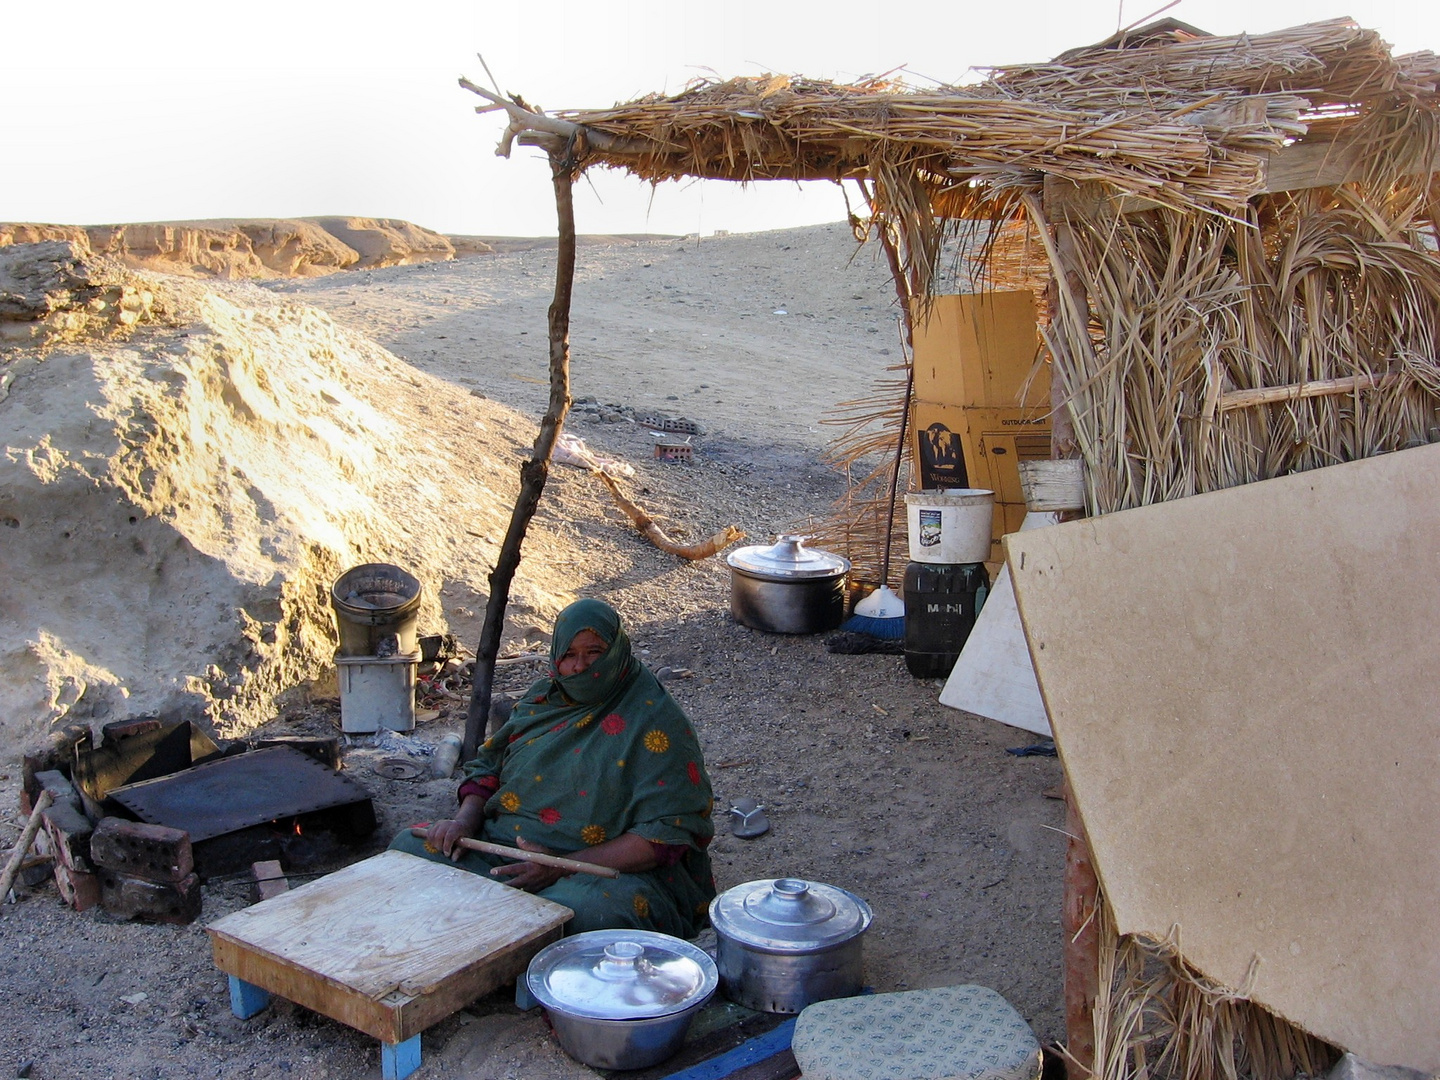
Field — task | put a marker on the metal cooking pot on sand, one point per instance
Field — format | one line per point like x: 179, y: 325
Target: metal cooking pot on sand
x: 621, y: 999
x: 786, y: 943
x: 787, y: 588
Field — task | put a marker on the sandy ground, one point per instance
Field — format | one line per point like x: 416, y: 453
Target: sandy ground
x: 869, y: 782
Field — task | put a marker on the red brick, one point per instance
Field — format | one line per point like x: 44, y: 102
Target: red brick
x: 69, y: 831
x: 269, y: 881
x: 151, y: 901
x: 77, y: 888
x: 135, y: 849
x: 53, y: 781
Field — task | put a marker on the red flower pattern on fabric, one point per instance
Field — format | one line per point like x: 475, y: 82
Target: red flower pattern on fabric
x: 613, y: 724
x: 693, y: 771
x: 559, y: 727
x: 549, y: 816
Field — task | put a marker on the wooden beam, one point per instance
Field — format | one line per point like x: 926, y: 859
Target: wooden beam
x: 1065, y: 200
x: 1323, y: 163
x: 1053, y: 485
x: 1270, y: 395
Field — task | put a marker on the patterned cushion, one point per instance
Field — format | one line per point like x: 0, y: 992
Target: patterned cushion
x: 951, y: 1033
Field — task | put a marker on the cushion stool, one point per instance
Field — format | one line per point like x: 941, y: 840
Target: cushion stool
x: 949, y: 1033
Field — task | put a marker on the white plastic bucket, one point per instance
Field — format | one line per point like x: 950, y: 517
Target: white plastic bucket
x: 951, y: 525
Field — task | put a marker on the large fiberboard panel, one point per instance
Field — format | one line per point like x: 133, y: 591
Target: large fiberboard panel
x: 1244, y: 689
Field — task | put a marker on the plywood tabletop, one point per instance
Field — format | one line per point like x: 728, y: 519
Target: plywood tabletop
x: 392, y: 923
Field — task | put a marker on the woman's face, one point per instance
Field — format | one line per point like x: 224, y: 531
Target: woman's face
x: 585, y: 648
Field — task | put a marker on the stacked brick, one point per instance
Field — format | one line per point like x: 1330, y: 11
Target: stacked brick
x: 67, y: 834
x: 146, y: 871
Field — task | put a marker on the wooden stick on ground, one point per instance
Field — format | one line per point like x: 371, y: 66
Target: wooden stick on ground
x: 557, y: 861
x: 647, y: 528
x: 17, y: 854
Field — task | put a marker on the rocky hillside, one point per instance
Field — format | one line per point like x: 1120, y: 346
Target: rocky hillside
x: 185, y: 467
x: 248, y: 249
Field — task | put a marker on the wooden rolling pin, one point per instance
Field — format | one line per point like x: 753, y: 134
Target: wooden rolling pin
x: 573, y: 865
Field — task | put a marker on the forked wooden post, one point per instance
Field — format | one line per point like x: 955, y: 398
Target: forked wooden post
x: 535, y: 471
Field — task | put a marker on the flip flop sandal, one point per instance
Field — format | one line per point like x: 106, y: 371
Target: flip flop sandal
x: 750, y: 820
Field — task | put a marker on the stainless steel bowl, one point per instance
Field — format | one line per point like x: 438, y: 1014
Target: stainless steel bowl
x: 621, y: 999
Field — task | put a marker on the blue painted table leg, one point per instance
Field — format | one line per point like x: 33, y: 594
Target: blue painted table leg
x: 399, y: 1060
x: 246, y: 999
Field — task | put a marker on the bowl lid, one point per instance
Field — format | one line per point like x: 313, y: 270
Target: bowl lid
x: 621, y: 975
x: 788, y: 558
x: 789, y: 915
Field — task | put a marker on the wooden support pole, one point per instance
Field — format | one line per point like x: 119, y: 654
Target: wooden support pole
x: 1081, y: 926
x: 535, y: 471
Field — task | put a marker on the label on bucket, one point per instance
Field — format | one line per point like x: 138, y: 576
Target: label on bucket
x: 929, y: 528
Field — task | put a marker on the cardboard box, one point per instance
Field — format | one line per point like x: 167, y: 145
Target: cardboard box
x: 980, y: 350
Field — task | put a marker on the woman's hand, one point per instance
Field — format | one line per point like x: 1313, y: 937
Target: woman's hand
x: 444, y: 836
x: 532, y: 877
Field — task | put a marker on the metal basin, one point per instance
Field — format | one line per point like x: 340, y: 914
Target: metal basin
x: 621, y: 999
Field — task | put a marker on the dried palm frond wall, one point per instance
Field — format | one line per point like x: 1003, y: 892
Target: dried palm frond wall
x: 1191, y: 317
x: 1157, y: 1018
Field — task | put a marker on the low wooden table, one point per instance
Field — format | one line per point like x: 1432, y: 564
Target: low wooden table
x: 387, y: 946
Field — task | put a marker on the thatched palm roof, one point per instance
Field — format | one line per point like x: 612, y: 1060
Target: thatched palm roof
x: 1239, y: 231
x: 1181, y: 120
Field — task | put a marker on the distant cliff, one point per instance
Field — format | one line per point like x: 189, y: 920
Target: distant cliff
x: 247, y: 249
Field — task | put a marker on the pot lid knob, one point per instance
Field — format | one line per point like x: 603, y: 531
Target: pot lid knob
x: 621, y: 960
x: 790, y: 902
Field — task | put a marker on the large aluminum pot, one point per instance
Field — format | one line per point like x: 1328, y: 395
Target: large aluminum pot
x: 621, y: 999
x: 786, y: 943
x: 787, y: 588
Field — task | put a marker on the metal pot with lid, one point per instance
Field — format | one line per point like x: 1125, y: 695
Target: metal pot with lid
x: 785, y: 943
x: 621, y: 999
x: 787, y: 588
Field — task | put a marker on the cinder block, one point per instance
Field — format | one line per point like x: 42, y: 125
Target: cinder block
x: 77, y: 888
x: 135, y: 849
x: 151, y: 901
x: 269, y: 881
x: 69, y: 831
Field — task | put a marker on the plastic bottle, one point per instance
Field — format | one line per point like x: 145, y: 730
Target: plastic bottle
x: 447, y: 756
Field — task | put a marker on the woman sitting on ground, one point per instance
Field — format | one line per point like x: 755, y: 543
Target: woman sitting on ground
x: 597, y: 763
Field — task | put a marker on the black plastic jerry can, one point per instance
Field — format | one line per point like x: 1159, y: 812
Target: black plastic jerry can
x: 941, y: 603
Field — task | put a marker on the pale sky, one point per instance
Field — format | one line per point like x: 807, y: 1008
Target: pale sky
x: 149, y: 111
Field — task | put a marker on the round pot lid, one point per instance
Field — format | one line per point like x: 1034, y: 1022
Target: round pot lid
x: 621, y: 975
x: 788, y: 558
x: 789, y: 915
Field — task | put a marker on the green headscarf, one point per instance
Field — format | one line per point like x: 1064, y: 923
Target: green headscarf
x: 587, y: 757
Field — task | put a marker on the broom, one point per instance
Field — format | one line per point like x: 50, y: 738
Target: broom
x: 882, y: 613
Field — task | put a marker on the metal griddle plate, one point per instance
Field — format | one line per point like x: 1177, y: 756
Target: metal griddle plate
x: 236, y: 792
